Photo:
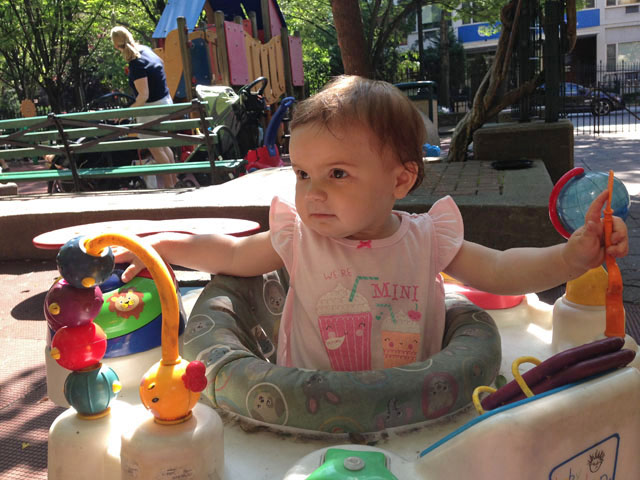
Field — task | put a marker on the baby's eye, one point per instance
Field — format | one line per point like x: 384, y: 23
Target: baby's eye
x: 302, y: 175
x: 338, y: 173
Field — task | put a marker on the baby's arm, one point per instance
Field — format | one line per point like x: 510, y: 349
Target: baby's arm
x: 523, y: 270
x: 243, y: 257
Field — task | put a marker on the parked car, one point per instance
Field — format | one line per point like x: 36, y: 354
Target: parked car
x: 578, y: 98
x: 621, y: 82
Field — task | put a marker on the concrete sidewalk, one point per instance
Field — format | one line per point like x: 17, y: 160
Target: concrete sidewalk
x: 620, y: 153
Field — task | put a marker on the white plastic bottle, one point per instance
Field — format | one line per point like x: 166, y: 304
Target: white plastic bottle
x: 579, y: 316
x: 191, y: 450
x: 81, y: 448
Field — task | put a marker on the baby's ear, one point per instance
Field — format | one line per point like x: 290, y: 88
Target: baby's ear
x: 405, y: 175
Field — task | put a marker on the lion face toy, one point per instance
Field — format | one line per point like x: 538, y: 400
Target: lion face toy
x: 127, y: 303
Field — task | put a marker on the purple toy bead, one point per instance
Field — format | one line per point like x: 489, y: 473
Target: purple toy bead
x: 81, y: 269
x: 67, y: 306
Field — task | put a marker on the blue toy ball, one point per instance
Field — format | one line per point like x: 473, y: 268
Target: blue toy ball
x: 572, y: 197
x: 79, y: 268
x: 91, y: 391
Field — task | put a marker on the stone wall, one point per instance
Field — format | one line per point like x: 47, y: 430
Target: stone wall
x: 550, y: 142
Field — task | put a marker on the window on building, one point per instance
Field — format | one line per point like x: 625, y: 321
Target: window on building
x: 468, y: 7
x: 430, y: 36
x: 431, y: 15
x: 611, y: 57
x: 613, y: 3
x: 628, y: 52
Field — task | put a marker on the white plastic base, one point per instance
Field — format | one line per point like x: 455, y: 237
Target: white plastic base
x: 575, y: 324
x: 128, y: 444
x: 525, y: 330
x: 545, y: 438
x: 588, y: 431
x: 191, y: 450
x: 83, y: 449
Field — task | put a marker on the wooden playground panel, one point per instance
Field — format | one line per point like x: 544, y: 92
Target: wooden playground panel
x: 233, y: 55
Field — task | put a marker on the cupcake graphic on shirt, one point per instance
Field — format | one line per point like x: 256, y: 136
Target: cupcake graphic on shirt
x: 345, y: 326
x: 400, y: 340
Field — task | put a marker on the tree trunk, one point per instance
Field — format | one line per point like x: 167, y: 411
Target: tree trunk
x: 420, y: 41
x: 445, y: 67
x: 487, y: 98
x: 54, y: 95
x: 348, y: 21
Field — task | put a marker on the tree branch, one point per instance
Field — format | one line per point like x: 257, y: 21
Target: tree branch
x: 383, y: 36
x: 512, y: 96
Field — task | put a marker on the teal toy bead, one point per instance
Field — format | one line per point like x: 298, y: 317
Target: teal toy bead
x: 81, y: 269
x: 91, y: 391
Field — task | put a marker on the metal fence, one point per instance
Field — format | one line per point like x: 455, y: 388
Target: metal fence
x: 604, y: 100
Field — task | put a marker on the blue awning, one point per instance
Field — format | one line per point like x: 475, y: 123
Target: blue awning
x: 191, y: 10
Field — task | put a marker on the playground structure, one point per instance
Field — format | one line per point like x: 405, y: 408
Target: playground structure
x: 225, y: 52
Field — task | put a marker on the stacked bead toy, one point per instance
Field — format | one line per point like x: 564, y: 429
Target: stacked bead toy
x: 79, y: 344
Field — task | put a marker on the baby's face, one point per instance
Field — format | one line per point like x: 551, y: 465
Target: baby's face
x: 345, y: 187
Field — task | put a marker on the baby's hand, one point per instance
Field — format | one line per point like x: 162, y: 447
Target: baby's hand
x: 122, y: 255
x: 585, y: 248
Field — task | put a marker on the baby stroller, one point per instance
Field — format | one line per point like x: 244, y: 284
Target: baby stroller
x: 239, y: 118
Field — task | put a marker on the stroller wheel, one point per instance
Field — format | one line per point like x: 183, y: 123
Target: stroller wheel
x: 136, y: 183
x: 185, y: 183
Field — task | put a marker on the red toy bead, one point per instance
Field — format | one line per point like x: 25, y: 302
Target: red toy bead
x: 75, y: 348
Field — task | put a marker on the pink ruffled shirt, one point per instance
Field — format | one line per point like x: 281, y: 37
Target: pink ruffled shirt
x: 362, y: 305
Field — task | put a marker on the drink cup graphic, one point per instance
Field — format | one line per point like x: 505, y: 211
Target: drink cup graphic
x: 345, y: 326
x: 400, y: 340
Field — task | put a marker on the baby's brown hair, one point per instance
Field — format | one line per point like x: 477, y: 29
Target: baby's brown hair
x: 379, y: 106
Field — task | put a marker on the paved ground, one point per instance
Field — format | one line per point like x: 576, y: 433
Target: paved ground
x: 25, y: 411
x: 621, y: 154
x: 28, y: 188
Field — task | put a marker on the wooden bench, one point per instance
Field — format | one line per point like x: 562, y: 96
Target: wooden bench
x: 52, y: 134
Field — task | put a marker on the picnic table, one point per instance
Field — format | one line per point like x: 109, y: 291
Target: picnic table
x: 55, y: 134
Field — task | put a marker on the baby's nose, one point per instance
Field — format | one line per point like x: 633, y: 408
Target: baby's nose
x: 316, y: 191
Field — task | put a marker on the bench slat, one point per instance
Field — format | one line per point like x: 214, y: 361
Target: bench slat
x: 115, y: 172
x: 75, y: 133
x: 99, y: 115
x: 111, y: 146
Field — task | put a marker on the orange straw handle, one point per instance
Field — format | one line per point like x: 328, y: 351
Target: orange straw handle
x: 162, y: 278
x: 614, y: 305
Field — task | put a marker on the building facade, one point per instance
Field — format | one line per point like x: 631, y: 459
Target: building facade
x: 607, y: 47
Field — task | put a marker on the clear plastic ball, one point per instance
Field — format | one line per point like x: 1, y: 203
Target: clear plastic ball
x: 579, y: 192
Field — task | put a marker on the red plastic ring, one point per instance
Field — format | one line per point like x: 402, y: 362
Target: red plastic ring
x: 553, y: 200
